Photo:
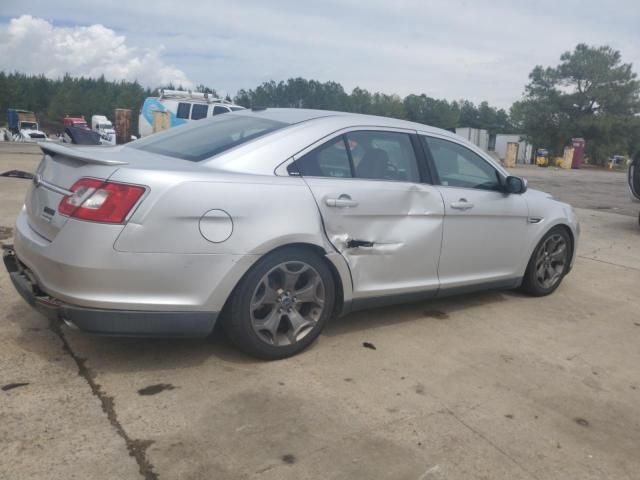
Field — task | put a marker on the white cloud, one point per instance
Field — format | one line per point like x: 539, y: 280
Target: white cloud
x: 479, y: 50
x: 34, y: 45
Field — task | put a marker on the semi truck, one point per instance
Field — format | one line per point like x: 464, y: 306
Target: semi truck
x: 77, y: 122
x: 101, y: 125
x: 23, y: 126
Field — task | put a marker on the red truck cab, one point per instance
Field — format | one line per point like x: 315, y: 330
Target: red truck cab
x: 78, y: 122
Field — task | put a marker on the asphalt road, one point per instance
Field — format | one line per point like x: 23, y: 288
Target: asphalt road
x: 494, y: 385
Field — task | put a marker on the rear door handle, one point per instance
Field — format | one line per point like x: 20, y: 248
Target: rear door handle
x: 342, y: 201
x: 462, y: 204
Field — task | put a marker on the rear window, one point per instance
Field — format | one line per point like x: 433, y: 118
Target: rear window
x: 202, y: 140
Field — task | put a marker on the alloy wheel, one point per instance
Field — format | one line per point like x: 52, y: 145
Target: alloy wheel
x: 551, y: 261
x: 287, y: 303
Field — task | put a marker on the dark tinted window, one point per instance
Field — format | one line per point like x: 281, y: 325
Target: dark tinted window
x: 201, y: 140
x: 217, y: 110
x: 381, y: 155
x: 328, y: 160
x: 183, y: 110
x: 457, y: 166
x: 199, y: 111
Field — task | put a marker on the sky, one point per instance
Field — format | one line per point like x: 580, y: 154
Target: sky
x: 477, y: 50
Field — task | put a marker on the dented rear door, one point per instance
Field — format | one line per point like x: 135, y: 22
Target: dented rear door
x: 391, y: 236
x: 390, y: 232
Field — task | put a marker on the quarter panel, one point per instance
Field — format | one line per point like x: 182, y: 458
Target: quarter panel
x: 265, y: 214
x: 81, y: 267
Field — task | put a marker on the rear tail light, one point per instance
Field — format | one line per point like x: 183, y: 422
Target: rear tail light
x: 100, y: 201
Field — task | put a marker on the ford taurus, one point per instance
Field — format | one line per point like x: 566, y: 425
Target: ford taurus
x: 272, y: 221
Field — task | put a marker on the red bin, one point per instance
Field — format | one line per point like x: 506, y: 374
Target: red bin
x: 578, y: 152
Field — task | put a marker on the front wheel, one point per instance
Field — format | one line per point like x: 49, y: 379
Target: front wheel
x: 281, y: 305
x: 549, y: 263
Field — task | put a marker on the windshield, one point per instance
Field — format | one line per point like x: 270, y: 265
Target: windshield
x: 207, y: 138
x: 29, y: 125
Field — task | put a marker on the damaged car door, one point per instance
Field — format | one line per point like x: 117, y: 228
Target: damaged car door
x: 379, y: 210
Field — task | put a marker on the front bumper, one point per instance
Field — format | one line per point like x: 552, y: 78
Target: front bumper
x: 106, y: 321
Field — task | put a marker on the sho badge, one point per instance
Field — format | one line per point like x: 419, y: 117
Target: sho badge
x: 47, y: 213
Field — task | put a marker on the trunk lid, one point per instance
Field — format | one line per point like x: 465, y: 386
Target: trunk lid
x: 59, y: 169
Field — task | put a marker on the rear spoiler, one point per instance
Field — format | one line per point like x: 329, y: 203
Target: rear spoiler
x: 86, y: 155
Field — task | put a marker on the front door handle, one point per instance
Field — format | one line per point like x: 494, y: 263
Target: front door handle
x: 462, y: 204
x: 342, y: 201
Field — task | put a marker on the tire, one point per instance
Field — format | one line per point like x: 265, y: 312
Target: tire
x: 281, y: 305
x: 547, y: 258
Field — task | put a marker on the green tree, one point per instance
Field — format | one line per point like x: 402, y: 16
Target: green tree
x: 53, y: 99
x: 432, y: 111
x: 204, y: 89
x: 591, y: 94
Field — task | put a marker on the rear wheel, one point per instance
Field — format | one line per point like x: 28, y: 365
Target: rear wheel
x: 549, y: 263
x: 281, y: 305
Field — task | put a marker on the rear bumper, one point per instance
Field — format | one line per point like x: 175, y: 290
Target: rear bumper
x: 106, y: 321
x: 81, y: 267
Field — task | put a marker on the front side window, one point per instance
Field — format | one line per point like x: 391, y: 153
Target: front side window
x: 457, y: 166
x: 183, y: 110
x: 201, y: 140
x: 199, y: 111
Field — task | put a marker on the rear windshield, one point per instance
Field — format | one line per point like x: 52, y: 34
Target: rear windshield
x: 207, y: 138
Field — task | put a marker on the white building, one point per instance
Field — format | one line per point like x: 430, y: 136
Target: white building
x: 524, y: 148
x: 477, y: 136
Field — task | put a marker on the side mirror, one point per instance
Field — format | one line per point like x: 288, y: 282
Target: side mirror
x: 515, y: 185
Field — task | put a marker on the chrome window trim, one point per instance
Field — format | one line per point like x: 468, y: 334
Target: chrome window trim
x: 281, y: 169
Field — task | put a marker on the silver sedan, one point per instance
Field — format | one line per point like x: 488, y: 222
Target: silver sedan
x: 271, y: 222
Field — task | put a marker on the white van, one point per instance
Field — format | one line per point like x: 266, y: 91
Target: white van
x: 175, y: 107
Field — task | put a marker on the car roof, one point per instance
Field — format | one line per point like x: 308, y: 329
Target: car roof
x: 297, y: 115
x: 305, y: 127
